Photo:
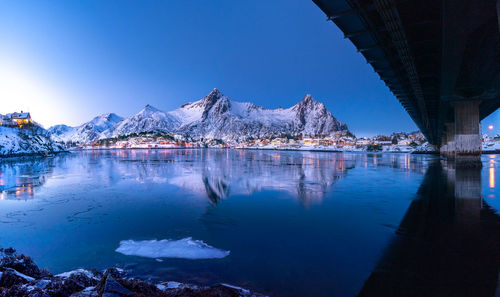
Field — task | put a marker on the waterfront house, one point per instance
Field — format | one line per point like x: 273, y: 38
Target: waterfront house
x: 16, y: 119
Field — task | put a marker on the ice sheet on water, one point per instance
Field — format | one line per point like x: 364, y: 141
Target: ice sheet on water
x: 185, y: 248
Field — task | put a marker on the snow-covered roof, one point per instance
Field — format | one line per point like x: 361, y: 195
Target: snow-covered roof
x: 18, y: 115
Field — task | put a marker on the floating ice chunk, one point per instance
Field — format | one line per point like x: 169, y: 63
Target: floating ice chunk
x: 185, y: 248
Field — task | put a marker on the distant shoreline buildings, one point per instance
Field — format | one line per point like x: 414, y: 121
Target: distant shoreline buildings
x: 339, y: 141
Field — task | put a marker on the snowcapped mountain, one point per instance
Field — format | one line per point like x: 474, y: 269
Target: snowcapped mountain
x: 213, y: 117
x: 61, y: 133
x: 87, y: 132
x: 149, y: 119
x: 218, y: 117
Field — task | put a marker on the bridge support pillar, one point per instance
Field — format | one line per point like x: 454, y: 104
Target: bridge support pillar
x: 443, y: 147
x: 450, y: 140
x: 467, y: 137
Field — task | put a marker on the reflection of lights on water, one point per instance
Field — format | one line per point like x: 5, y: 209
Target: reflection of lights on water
x: 2, y: 195
x: 25, y: 190
x: 407, y: 161
x: 492, y: 171
x: 374, y: 159
x: 492, y: 177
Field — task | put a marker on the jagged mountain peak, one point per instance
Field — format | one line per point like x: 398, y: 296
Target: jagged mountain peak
x: 149, y: 109
x: 208, y: 101
x: 216, y: 92
x: 308, y: 98
x: 308, y: 103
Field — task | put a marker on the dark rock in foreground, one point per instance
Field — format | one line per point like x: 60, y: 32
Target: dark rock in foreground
x: 20, y: 276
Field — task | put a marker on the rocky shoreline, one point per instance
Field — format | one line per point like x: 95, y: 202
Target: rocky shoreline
x: 20, y: 276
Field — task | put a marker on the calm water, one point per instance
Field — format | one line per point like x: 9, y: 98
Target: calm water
x: 295, y: 223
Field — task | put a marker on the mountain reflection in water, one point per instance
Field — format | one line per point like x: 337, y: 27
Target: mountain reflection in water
x: 218, y: 174
x: 330, y: 224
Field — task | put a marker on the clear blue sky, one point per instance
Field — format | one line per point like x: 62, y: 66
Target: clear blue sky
x: 67, y: 61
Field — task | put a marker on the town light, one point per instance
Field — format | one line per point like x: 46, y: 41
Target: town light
x: 490, y: 127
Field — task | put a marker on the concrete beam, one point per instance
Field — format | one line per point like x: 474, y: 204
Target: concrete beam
x: 467, y: 136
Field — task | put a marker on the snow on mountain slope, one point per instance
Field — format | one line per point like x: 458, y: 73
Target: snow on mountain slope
x: 149, y: 119
x: 87, y: 132
x: 92, y: 130
x: 214, y: 117
x: 61, y: 133
x: 26, y: 141
x: 217, y: 117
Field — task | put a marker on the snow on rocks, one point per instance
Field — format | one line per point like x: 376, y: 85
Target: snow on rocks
x: 89, y: 274
x: 185, y: 248
x: 19, y: 276
x: 426, y: 148
x: 26, y: 141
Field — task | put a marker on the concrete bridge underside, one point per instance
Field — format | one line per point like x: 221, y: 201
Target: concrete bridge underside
x: 440, y: 58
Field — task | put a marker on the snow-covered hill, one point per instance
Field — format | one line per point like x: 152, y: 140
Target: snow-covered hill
x: 61, y: 133
x: 216, y: 117
x: 149, y: 119
x: 26, y: 141
x: 87, y: 132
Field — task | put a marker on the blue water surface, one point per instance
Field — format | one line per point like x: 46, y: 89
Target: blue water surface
x: 295, y: 223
